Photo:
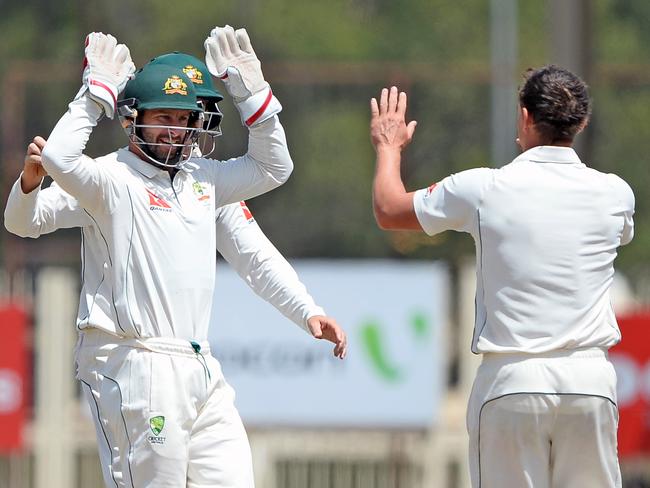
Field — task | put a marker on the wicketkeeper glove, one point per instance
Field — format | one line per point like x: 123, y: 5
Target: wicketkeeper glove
x: 230, y: 57
x: 107, y: 68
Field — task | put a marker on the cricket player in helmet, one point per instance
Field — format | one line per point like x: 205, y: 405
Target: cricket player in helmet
x: 146, y: 108
x: 163, y: 411
x: 207, y: 95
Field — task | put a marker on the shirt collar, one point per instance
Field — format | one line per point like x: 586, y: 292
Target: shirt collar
x: 549, y: 154
x: 147, y: 169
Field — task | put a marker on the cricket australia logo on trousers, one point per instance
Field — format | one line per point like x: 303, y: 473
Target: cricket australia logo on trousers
x: 156, y: 424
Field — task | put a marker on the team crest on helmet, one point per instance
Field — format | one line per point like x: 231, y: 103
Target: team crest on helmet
x: 174, y: 84
x: 193, y: 74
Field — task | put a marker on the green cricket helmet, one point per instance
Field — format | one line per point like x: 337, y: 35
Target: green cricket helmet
x: 195, y: 69
x: 161, y: 87
x: 207, y: 94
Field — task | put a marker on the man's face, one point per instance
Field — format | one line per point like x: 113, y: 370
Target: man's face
x: 160, y: 139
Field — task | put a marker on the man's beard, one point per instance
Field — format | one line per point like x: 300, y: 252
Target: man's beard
x: 165, y: 154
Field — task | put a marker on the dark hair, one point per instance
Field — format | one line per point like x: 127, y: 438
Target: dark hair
x: 557, y: 100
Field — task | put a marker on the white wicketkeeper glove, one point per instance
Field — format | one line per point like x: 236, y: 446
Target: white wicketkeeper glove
x: 230, y: 56
x: 107, y: 68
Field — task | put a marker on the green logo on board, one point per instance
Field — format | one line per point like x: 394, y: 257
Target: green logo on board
x: 374, y: 341
x: 157, y: 424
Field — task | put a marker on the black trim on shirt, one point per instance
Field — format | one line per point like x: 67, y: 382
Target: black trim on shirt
x: 110, y: 262
x: 479, y: 246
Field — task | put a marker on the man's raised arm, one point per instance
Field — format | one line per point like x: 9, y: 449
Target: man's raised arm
x: 107, y: 68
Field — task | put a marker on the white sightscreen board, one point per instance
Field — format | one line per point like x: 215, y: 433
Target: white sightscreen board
x: 394, y: 314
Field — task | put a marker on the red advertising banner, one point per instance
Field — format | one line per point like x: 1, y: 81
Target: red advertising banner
x: 14, y: 377
x: 631, y: 360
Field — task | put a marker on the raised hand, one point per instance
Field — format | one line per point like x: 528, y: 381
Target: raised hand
x: 229, y: 56
x: 388, y: 128
x: 33, y: 171
x: 107, y: 68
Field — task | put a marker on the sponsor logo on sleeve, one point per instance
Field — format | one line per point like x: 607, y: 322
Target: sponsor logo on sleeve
x: 430, y: 189
x: 247, y: 213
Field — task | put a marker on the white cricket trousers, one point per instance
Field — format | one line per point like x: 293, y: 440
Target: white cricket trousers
x: 544, y: 421
x: 163, y: 412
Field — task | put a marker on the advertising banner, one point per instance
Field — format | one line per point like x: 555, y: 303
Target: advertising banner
x: 394, y: 314
x: 631, y: 359
x: 14, y: 377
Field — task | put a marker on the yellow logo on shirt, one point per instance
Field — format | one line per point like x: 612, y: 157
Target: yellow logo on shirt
x: 199, y: 191
x: 197, y: 187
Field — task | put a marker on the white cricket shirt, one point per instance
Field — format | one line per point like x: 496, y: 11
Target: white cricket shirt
x: 240, y: 240
x: 256, y: 260
x: 546, y: 229
x: 148, y: 259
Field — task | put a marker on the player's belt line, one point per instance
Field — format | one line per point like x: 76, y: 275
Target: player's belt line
x: 164, y: 345
x: 169, y: 345
x: 493, y: 358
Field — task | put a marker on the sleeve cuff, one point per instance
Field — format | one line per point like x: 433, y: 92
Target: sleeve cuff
x: 315, y: 310
x: 420, y: 212
x: 18, y: 189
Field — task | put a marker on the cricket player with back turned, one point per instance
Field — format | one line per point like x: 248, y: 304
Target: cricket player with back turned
x: 542, y: 412
x: 164, y: 414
